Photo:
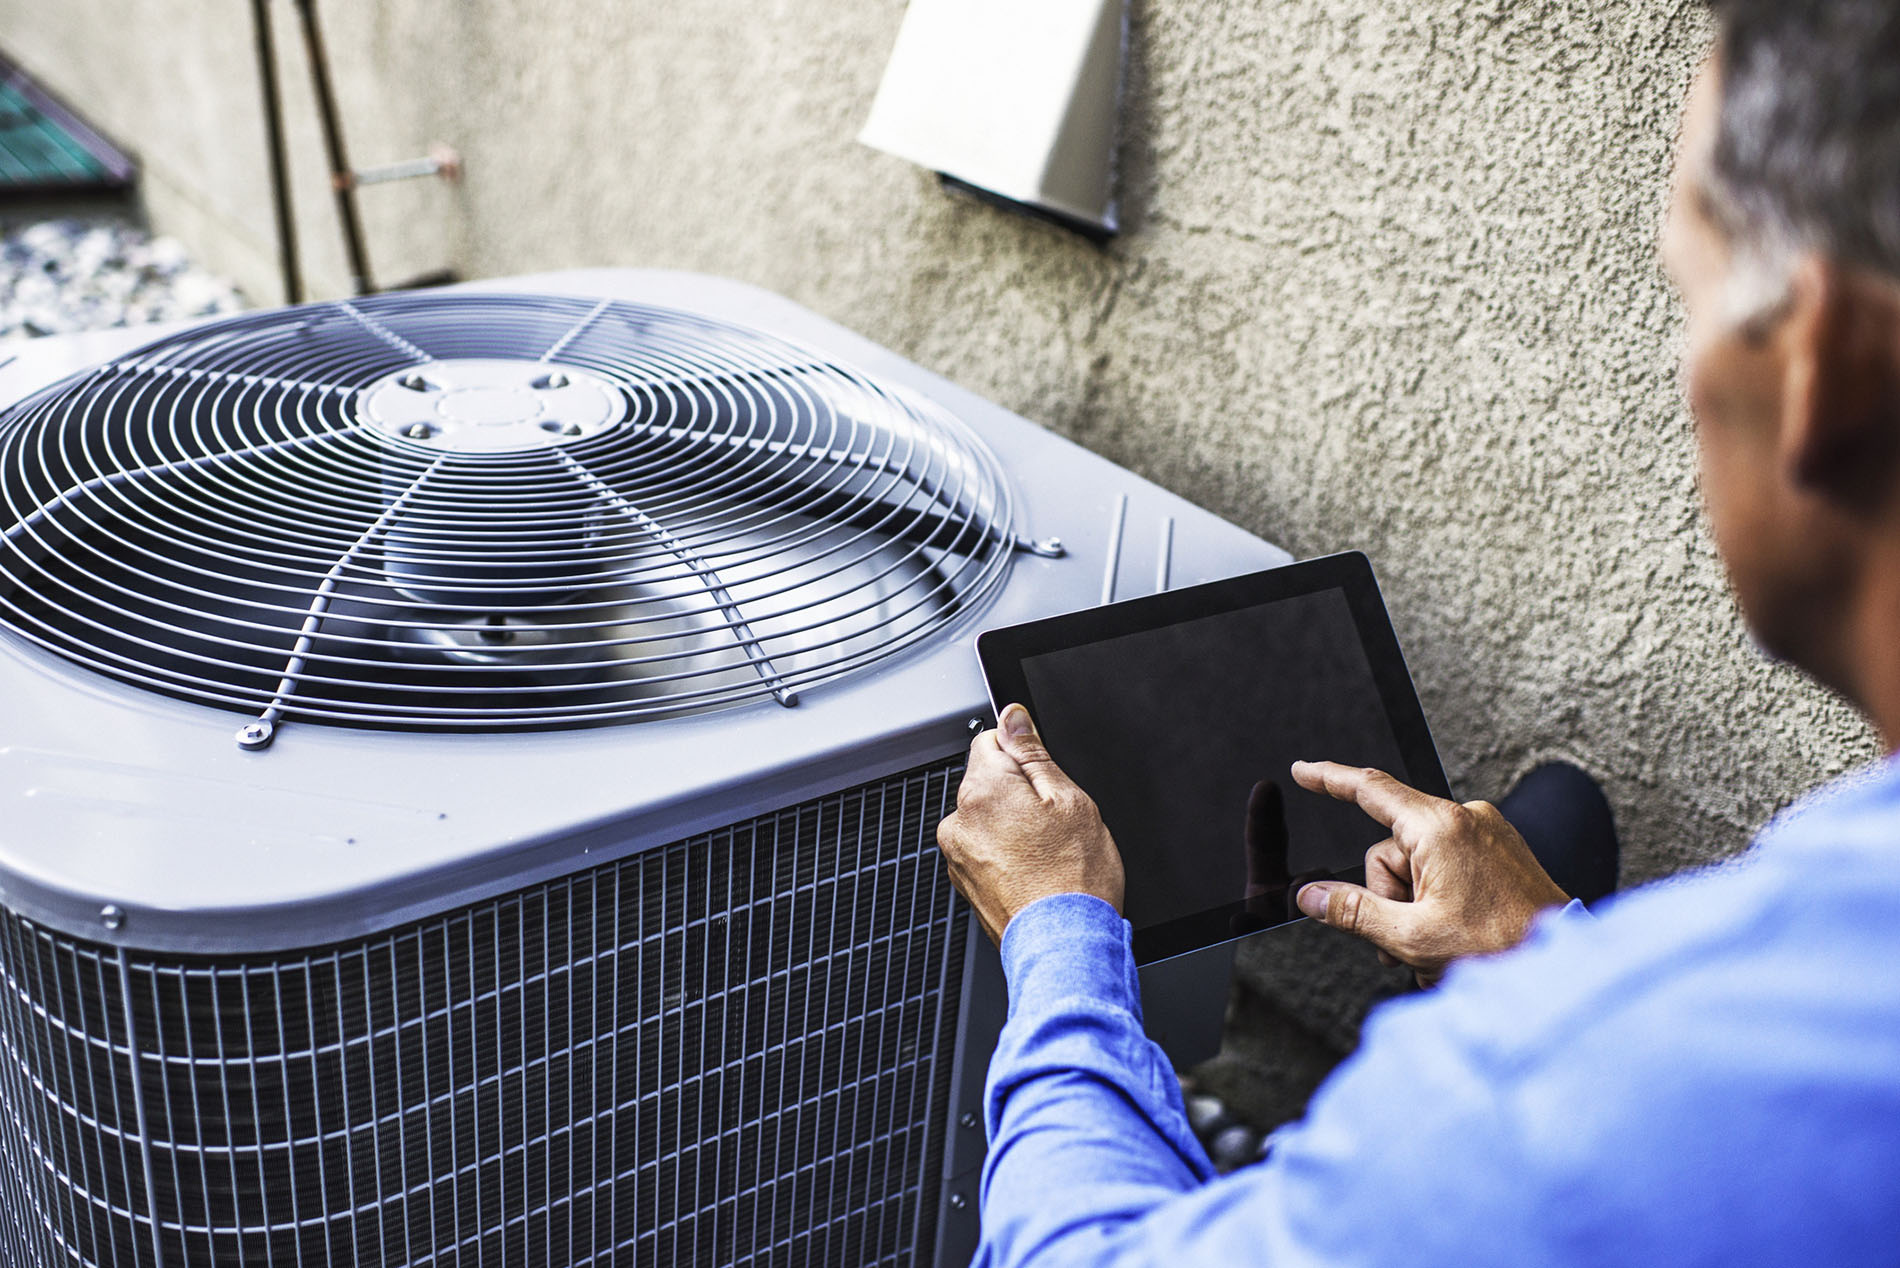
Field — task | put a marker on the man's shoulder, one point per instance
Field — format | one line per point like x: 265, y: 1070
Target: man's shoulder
x: 1854, y: 813
x: 1805, y: 917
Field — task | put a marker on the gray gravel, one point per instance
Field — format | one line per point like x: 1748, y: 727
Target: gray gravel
x: 60, y: 276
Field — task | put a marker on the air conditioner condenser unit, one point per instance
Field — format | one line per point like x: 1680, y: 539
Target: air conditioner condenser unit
x: 469, y: 771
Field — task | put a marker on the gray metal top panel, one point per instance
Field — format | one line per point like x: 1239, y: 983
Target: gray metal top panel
x: 114, y: 797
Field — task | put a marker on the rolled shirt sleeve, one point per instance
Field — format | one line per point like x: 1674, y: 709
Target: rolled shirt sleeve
x: 1086, y: 1126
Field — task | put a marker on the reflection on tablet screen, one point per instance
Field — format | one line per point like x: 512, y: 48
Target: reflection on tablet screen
x: 1184, y: 736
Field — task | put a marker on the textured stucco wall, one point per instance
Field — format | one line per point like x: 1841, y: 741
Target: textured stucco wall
x: 1387, y: 283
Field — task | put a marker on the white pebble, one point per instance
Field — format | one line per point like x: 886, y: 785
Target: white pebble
x: 1234, y: 1147
x: 1203, y: 1112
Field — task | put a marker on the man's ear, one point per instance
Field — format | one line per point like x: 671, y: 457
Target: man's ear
x: 1840, y: 417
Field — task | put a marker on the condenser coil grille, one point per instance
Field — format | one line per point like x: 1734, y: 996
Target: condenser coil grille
x: 481, y: 512
x: 734, y: 1050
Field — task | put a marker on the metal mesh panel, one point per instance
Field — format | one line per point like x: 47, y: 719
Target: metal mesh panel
x: 735, y: 1049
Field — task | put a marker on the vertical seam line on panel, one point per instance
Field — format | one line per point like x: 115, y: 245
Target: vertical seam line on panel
x: 613, y: 1097
x: 290, y: 1114
x: 138, y: 1107
x: 729, y: 996
x: 521, y: 1095
x: 573, y: 1129
x: 402, y: 1105
x: 888, y: 837
x: 316, y: 1106
x: 166, y: 1100
x: 448, y: 1089
x: 911, y: 849
x: 501, y: 1089
x: 672, y: 1038
x: 222, y: 1059
x: 335, y: 962
x: 197, y: 1115
x: 725, y: 1032
x: 257, y: 1116
x: 769, y: 1190
x: 382, y: 1200
x: 828, y: 1160
x: 926, y: 1198
x: 745, y: 1028
x: 1111, y: 569
x: 800, y: 1114
x: 530, y: 1142
x: 474, y: 1085
x: 862, y: 1213
x: 702, y: 1077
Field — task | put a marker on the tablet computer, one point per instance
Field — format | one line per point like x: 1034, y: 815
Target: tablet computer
x: 1181, y: 713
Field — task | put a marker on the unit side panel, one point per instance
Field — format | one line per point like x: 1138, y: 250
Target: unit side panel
x: 732, y: 1050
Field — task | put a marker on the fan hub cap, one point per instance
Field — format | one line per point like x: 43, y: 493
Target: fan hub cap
x: 483, y: 405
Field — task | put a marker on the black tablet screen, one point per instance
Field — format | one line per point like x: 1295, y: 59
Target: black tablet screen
x: 1184, y: 733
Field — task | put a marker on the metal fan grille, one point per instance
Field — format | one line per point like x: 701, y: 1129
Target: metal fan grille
x: 478, y: 511
x: 731, y: 1051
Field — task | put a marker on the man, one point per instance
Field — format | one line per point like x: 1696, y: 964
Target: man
x: 1704, y: 1072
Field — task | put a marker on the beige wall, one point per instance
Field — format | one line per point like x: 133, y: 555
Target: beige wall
x: 1387, y: 283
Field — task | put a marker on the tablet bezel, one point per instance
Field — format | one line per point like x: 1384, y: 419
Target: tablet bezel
x: 1001, y: 653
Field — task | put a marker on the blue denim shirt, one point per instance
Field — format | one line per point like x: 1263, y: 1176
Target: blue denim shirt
x: 1708, y: 1072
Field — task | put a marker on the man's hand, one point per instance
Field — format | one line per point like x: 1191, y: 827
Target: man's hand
x: 1022, y: 829
x: 1451, y: 881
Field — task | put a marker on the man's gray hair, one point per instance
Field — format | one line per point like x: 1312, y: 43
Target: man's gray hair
x: 1807, y: 150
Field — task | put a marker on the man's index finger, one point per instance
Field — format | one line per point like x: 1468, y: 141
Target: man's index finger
x: 1373, y: 791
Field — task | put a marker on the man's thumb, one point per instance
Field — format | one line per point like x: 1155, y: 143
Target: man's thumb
x: 1357, y: 910
x: 1016, y: 733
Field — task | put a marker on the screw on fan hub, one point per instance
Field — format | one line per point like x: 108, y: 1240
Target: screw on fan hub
x: 477, y: 406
